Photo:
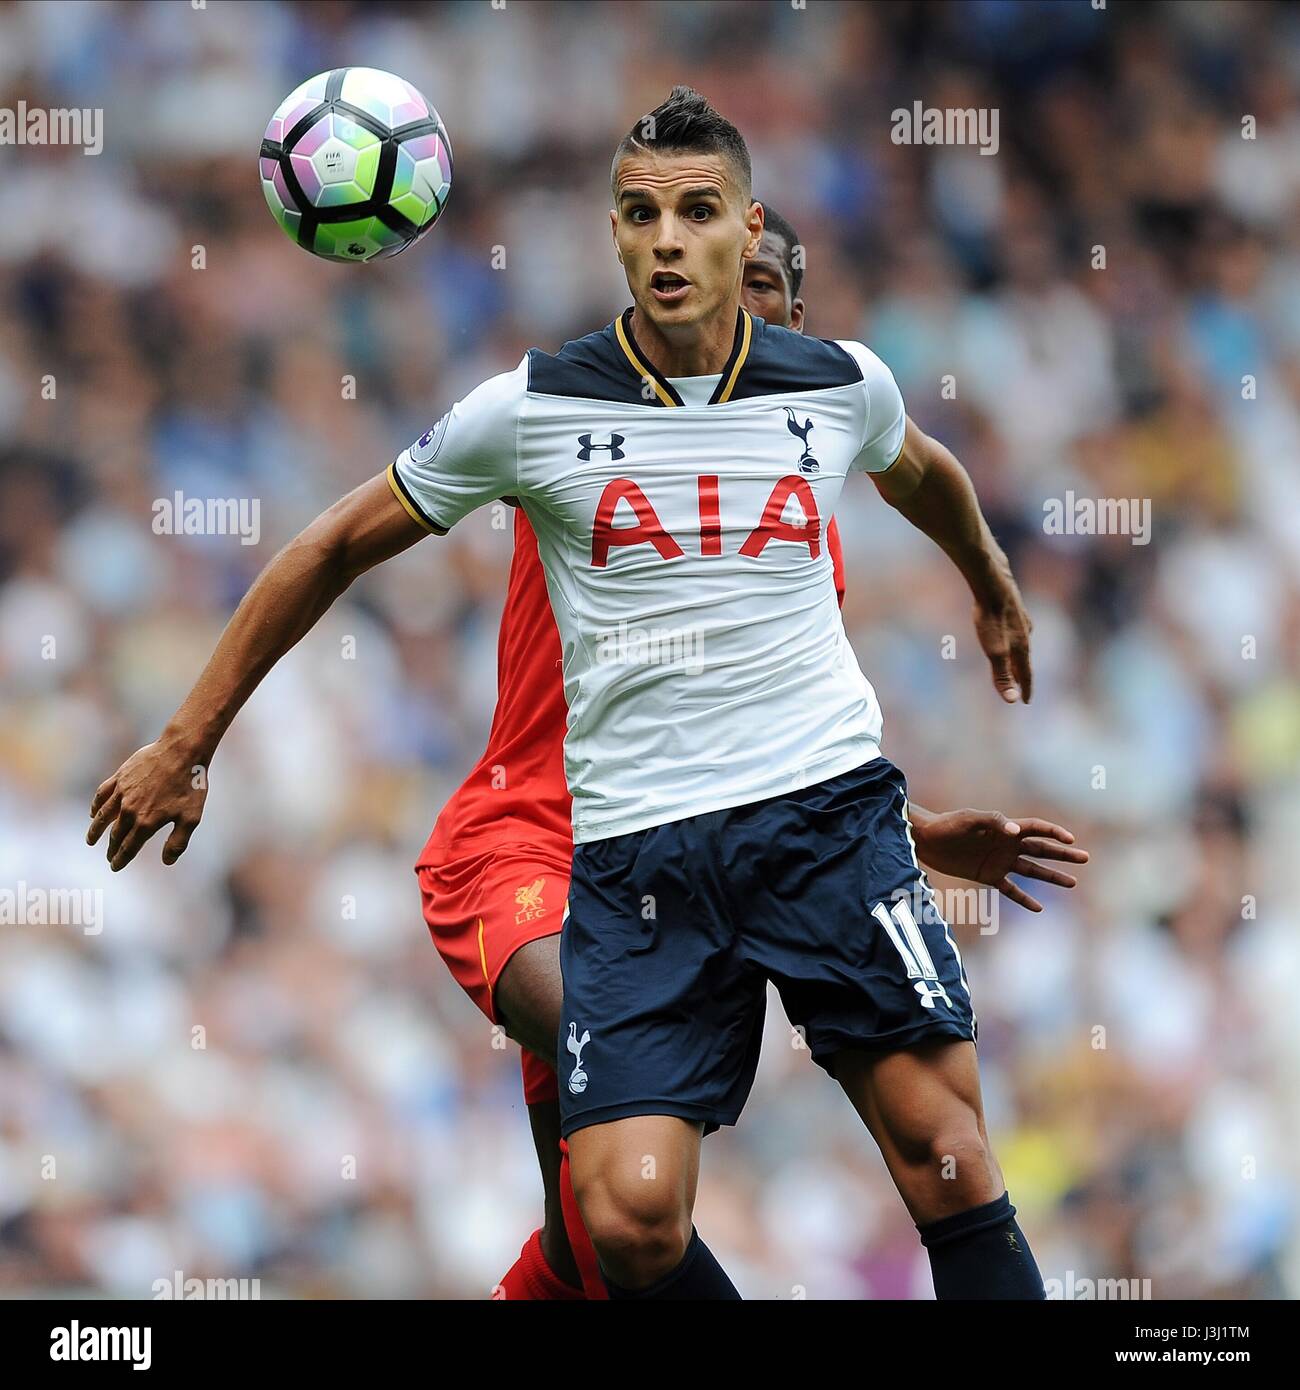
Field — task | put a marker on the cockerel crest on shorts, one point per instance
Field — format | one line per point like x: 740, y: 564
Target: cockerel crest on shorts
x: 575, y: 1044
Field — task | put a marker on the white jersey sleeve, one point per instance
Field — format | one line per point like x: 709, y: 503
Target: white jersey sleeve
x: 886, y: 417
x: 468, y: 458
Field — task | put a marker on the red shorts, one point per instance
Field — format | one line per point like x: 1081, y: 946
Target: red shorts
x: 481, y: 909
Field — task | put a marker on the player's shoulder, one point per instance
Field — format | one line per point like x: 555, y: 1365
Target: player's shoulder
x: 492, y: 406
x: 871, y: 367
x: 506, y: 388
x: 781, y: 362
x: 768, y: 361
x: 594, y: 368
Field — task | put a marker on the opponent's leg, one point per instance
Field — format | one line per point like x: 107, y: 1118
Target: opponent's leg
x: 509, y: 968
x: 546, y: 1270
x: 528, y: 995
x: 923, y: 1107
x: 593, y: 1282
x: 635, y: 1181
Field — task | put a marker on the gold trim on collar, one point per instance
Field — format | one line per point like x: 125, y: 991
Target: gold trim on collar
x: 747, y: 332
x: 642, y: 369
x: 664, y: 390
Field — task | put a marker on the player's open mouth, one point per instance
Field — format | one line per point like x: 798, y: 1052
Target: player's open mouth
x: 668, y: 286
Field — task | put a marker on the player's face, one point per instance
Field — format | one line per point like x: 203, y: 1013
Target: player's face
x: 682, y: 227
x: 765, y: 285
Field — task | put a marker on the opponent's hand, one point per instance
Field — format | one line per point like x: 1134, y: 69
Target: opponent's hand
x: 985, y: 847
x: 153, y: 788
x: 1003, y: 630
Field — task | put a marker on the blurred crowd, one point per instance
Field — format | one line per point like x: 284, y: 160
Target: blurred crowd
x: 259, y: 1067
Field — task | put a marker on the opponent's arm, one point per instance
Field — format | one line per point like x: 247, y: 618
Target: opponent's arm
x: 155, y: 786
x: 934, y: 492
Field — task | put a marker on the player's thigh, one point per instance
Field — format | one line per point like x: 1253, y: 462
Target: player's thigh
x: 529, y: 993
x: 908, y: 1098
x: 636, y: 1173
x: 843, y: 922
x: 483, y: 910
x: 661, y: 1014
x: 923, y: 1106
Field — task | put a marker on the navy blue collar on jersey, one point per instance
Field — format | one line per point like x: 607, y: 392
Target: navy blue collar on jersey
x: 665, y: 393
x: 765, y: 360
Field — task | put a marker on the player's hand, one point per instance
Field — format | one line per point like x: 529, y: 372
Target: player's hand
x: 153, y: 788
x: 1003, y: 630
x: 985, y: 847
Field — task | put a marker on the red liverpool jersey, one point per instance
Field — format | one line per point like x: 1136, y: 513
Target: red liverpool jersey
x: 517, y: 791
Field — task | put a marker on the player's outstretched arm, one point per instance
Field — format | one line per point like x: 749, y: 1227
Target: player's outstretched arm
x: 155, y: 786
x: 986, y: 846
x: 934, y: 492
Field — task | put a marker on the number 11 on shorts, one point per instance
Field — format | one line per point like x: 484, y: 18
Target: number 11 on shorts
x: 910, y: 944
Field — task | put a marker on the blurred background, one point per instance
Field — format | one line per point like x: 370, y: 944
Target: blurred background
x: 1163, y: 1147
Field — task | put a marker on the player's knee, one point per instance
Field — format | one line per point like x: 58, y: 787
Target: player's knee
x: 640, y: 1231
x: 962, y: 1156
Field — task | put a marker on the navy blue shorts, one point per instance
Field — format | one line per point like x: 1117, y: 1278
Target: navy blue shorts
x: 673, y: 932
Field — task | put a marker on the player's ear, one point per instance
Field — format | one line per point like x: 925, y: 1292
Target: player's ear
x: 613, y: 232
x: 796, y: 315
x: 754, y: 226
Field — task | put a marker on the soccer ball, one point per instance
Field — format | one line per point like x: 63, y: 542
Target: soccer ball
x: 356, y: 165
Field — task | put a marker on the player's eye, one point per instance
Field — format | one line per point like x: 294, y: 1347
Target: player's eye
x: 704, y: 208
x: 765, y: 285
x: 634, y: 215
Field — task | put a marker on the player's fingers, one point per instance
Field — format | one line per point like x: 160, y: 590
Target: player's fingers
x: 122, y: 827
x: 105, y: 816
x: 1035, y: 825
x: 102, y: 793
x: 1049, y: 849
x: 997, y: 823
x: 129, y: 846
x: 1023, y: 671
x: 1026, y: 868
x: 1018, y: 896
x: 178, y: 840
x: 1003, y: 680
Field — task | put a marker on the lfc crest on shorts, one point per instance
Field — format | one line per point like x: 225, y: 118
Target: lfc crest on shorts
x: 529, y: 898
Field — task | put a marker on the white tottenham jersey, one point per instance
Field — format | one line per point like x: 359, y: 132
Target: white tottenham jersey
x: 705, y: 661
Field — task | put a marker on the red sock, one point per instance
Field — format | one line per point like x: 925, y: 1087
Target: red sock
x: 584, y: 1252
x: 531, y: 1280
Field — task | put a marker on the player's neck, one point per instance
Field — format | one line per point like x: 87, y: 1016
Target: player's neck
x: 693, y: 349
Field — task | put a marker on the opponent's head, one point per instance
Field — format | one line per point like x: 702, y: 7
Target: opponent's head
x: 771, y: 280
x: 684, y: 217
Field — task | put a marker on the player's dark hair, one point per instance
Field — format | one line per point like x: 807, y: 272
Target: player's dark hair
x: 687, y: 123
x: 774, y: 222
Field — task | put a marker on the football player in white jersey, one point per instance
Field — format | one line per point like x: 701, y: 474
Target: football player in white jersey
x: 734, y: 820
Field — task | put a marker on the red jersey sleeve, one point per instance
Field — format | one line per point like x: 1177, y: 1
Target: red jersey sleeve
x: 837, y: 558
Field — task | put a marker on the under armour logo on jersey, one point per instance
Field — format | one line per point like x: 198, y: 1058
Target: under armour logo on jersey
x: 575, y: 1044
x: 588, y: 448
x: 807, y: 464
